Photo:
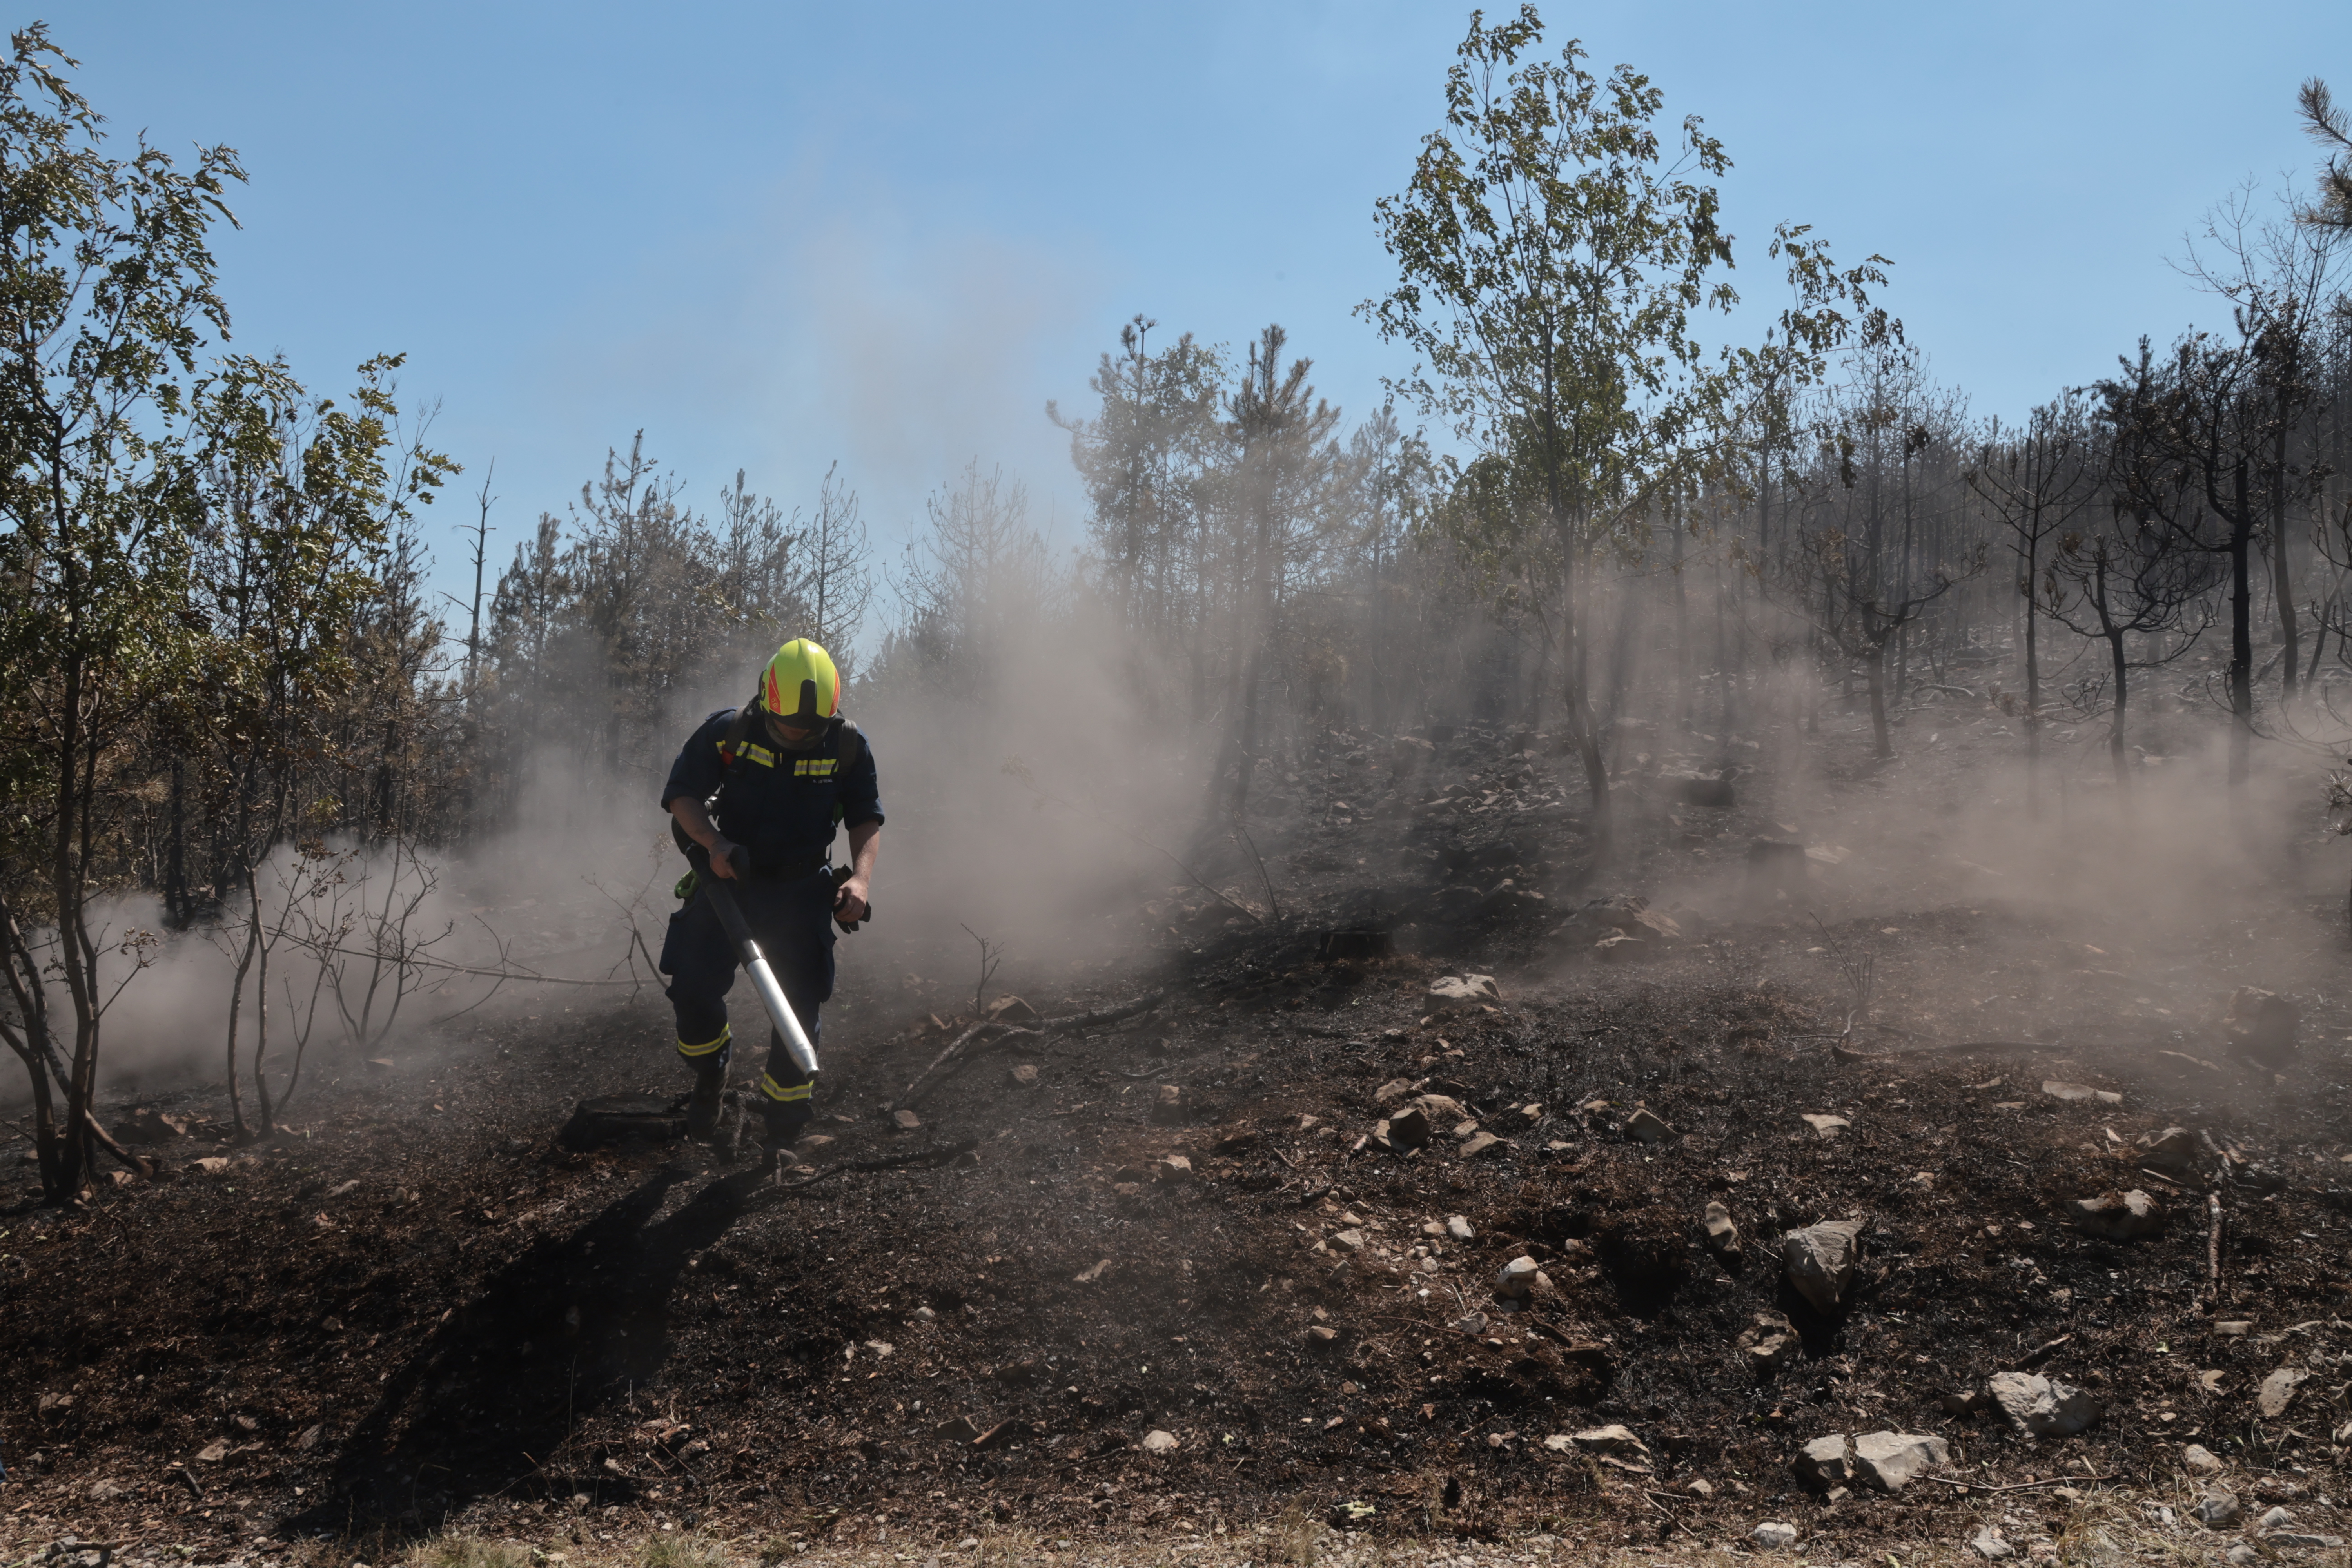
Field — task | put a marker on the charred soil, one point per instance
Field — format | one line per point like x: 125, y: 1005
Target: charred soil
x: 420, y: 1306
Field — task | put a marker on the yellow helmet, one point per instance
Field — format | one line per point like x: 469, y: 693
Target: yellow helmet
x: 801, y: 682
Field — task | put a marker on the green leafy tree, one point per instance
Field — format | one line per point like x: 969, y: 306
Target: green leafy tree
x: 1554, y: 250
x: 106, y: 285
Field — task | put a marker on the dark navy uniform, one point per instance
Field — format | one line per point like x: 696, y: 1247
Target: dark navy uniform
x: 783, y: 807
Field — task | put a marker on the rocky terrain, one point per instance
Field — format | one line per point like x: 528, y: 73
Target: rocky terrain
x: 1791, y: 1180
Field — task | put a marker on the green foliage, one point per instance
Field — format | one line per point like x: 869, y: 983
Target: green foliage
x: 1553, y: 253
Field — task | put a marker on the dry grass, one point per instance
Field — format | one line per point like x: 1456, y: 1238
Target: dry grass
x: 681, y: 1551
x: 468, y: 1552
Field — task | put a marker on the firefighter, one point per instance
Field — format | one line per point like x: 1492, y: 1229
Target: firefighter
x: 773, y: 781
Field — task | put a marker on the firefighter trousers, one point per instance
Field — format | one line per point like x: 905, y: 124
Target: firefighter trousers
x: 793, y: 923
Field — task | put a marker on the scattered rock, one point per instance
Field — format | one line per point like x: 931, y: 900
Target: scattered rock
x: 1773, y: 1536
x: 1722, y: 1236
x: 1319, y: 1334
x: 1516, y: 1278
x: 1820, y: 1260
x: 1827, y: 1126
x: 54, y: 1406
x: 1173, y: 1168
x: 2042, y: 1406
x: 2303, y: 1541
x: 1647, y: 1127
x: 1479, y: 1143
x: 1158, y: 1442
x: 2240, y: 1554
x: 1618, y: 948
x: 2058, y: 1089
x: 1167, y: 1105
x: 959, y: 1430
x: 1459, y: 1228
x: 1824, y: 1462
x: 1698, y: 1488
x: 1768, y: 1345
x: 1443, y: 1110
x: 1405, y: 1130
x: 1892, y: 1460
x: 2277, y: 1391
x: 2275, y: 1519
x: 1610, y: 1439
x: 211, y: 1165
x: 1988, y: 1544
x: 2117, y: 1216
x: 1348, y: 1240
x: 214, y: 1452
x: 1393, y: 1092
x: 2174, y: 1149
x: 1024, y: 1075
x: 905, y: 1120
x: 2218, y: 1510
x: 2200, y: 1460
x: 1464, y: 993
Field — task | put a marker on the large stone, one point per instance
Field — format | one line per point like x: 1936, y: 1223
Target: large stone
x: 1773, y: 1536
x: 2044, y: 1407
x: 1769, y: 1344
x: 1479, y: 1143
x: 1892, y: 1460
x: 2117, y: 1216
x: 1824, y: 1462
x: 1820, y: 1260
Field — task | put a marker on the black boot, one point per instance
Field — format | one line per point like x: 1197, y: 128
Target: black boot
x: 702, y: 1105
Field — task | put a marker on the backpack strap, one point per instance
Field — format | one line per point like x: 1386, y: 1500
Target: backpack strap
x: 849, y: 743
x: 730, y: 748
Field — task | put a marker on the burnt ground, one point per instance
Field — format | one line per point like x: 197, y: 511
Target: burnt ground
x: 418, y: 1308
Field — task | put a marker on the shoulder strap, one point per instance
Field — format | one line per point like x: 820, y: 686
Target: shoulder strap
x: 849, y: 746
x: 731, y: 746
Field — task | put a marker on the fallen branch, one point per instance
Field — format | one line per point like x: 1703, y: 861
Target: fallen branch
x: 953, y: 1048
x: 889, y: 1163
x: 2213, y: 1247
x: 2017, y: 1485
x: 988, y: 1035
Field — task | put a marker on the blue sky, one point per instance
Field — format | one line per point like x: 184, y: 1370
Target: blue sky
x: 775, y: 236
